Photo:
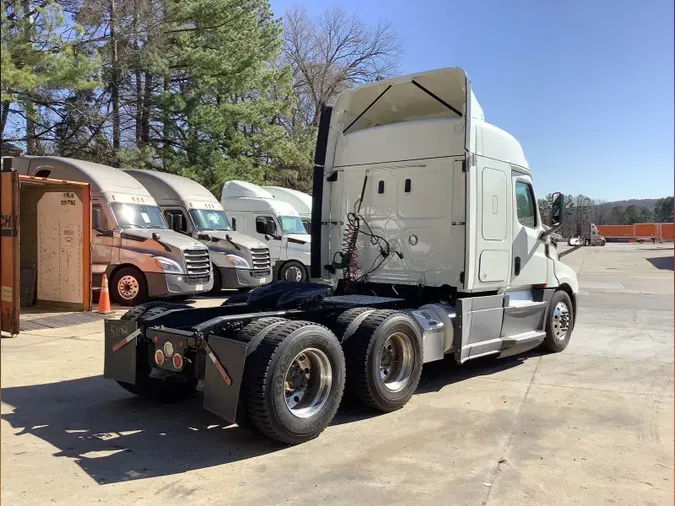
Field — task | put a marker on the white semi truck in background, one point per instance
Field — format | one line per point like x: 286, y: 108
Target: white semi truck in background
x: 301, y: 202
x: 130, y: 242
x: 587, y: 235
x: 255, y: 212
x: 239, y: 261
x: 427, y: 242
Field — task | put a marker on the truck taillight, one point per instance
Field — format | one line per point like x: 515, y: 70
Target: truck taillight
x: 177, y: 361
x: 159, y: 357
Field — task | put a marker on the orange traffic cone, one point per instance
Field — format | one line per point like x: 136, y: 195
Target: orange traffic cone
x: 104, y: 298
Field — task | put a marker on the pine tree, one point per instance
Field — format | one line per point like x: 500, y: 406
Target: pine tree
x: 42, y: 64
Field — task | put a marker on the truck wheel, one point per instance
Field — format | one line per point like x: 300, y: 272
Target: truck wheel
x: 128, y: 287
x: 171, y: 389
x: 217, y: 281
x: 559, y: 323
x: 349, y: 321
x: 294, y: 381
x: 603, y: 242
x: 293, y: 271
x: 384, y: 360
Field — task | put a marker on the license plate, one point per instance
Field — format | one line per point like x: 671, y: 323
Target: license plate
x: 200, y: 288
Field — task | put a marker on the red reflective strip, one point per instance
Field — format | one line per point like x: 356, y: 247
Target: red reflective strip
x: 124, y: 341
x: 220, y: 368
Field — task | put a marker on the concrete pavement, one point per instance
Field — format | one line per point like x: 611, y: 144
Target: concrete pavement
x: 592, y: 425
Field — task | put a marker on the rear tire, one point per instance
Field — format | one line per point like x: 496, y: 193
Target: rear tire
x: 559, y: 323
x: 349, y: 321
x: 294, y: 381
x: 128, y: 287
x: 384, y: 361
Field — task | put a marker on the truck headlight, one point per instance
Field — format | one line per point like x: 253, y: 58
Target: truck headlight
x: 168, y: 265
x: 238, y: 262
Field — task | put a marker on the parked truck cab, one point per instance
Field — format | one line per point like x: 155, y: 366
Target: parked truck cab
x: 255, y: 212
x: 239, y: 261
x: 301, y: 202
x: 130, y: 242
x: 427, y: 242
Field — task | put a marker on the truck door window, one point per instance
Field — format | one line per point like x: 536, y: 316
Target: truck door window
x: 526, y: 205
x: 261, y: 224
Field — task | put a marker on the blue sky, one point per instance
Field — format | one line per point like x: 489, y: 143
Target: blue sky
x: 585, y: 86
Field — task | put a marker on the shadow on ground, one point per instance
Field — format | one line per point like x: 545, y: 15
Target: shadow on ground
x: 662, y: 263
x: 117, y: 437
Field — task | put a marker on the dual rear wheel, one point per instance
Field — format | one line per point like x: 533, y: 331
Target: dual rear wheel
x: 296, y: 371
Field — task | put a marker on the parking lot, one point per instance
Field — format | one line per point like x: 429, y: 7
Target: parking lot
x: 592, y: 425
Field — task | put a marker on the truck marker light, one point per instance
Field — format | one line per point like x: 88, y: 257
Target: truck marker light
x: 126, y: 340
x: 155, y: 339
x: 159, y: 357
x: 168, y: 349
x: 177, y: 361
x: 181, y: 344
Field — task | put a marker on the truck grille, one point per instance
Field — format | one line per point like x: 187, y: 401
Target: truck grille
x: 261, y: 259
x: 198, y: 264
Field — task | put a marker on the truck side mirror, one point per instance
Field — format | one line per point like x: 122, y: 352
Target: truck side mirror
x: 557, y: 207
x: 177, y: 222
x: 271, y: 228
x: 96, y: 219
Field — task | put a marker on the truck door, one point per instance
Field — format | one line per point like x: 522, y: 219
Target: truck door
x: 265, y: 224
x: 529, y: 263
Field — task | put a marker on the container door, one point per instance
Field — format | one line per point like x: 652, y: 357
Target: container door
x: 9, y: 252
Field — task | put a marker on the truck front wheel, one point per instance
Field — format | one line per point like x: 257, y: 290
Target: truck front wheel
x: 128, y: 287
x: 559, y: 323
x: 293, y: 271
x: 384, y: 360
x: 294, y: 381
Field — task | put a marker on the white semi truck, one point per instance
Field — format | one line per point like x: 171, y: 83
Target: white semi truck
x: 130, y: 242
x: 301, y: 202
x: 427, y: 242
x: 255, y: 212
x: 239, y: 261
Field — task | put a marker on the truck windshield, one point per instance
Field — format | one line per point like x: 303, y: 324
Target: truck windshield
x: 137, y: 216
x: 292, y: 225
x: 209, y: 219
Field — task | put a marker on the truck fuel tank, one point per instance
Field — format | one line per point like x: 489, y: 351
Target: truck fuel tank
x: 438, y: 330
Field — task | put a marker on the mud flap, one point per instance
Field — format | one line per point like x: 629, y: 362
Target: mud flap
x: 120, y: 350
x: 225, y: 359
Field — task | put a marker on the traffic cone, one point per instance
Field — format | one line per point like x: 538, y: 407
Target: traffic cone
x: 104, y: 297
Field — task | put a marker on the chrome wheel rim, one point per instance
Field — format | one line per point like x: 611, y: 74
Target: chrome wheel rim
x: 307, y: 383
x: 396, y: 362
x: 293, y: 273
x: 128, y: 287
x: 560, y: 321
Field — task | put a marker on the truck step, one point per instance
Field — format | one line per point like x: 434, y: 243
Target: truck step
x: 525, y: 337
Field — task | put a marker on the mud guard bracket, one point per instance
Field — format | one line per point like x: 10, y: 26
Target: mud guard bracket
x: 221, y: 395
x: 120, y: 350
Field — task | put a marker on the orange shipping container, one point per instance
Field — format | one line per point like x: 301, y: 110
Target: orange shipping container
x: 646, y: 230
x: 624, y: 231
x: 667, y: 231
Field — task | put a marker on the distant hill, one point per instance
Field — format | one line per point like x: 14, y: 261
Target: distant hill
x: 648, y: 203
